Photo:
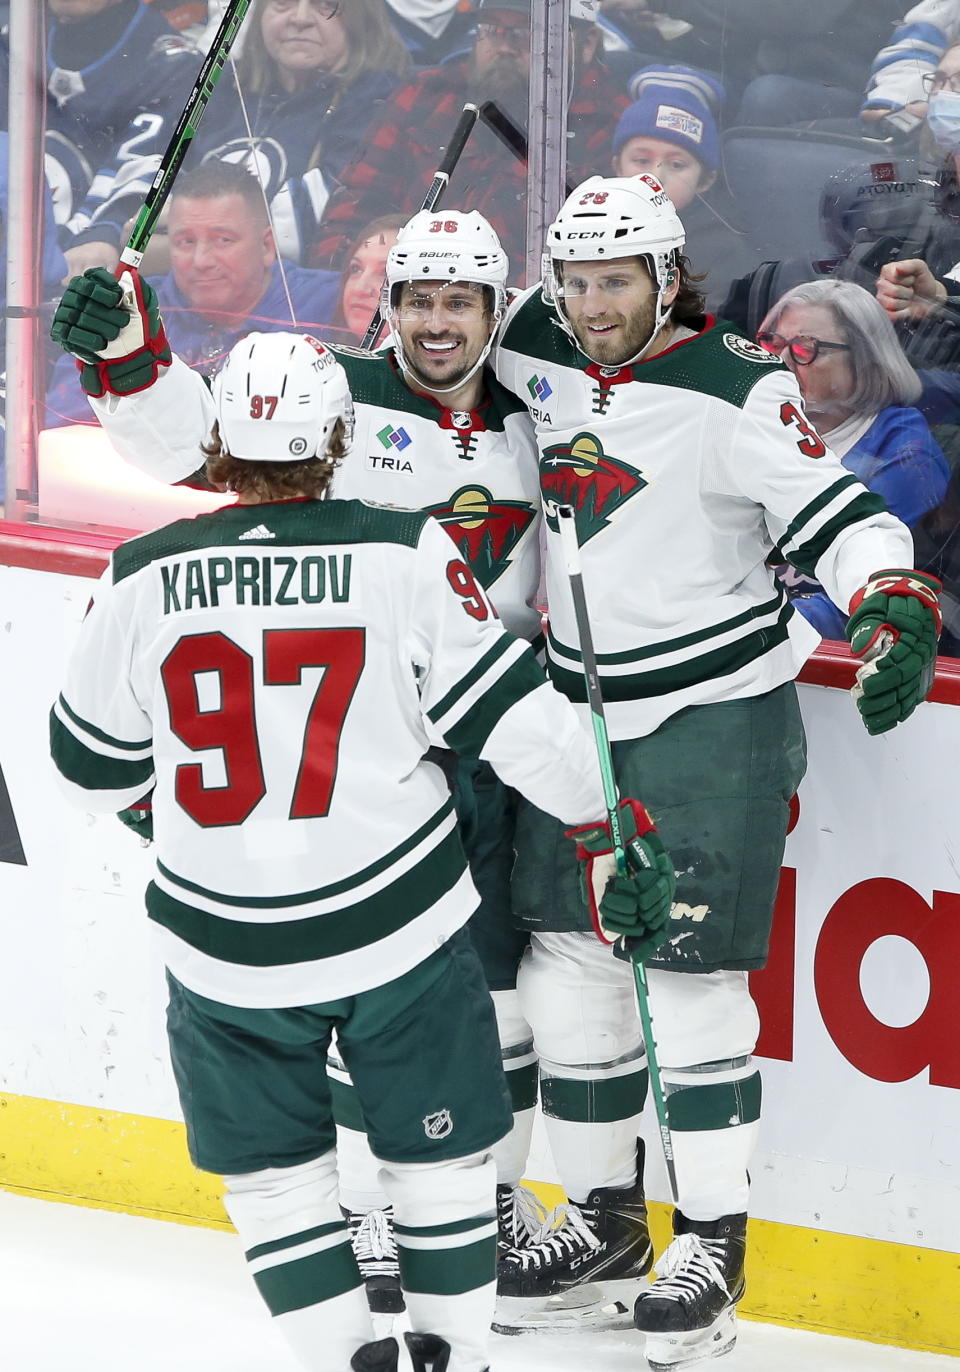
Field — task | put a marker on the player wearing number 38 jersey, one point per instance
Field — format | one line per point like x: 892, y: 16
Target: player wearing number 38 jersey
x: 277, y: 671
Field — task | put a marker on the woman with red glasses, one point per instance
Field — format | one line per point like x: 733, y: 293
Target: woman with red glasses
x: 859, y: 390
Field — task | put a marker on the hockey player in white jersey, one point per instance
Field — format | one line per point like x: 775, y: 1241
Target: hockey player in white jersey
x: 434, y: 431
x: 275, y: 673
x: 686, y: 453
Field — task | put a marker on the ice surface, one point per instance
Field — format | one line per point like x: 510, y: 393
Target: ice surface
x: 99, y: 1292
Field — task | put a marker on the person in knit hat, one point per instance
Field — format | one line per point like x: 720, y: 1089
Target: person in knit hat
x: 670, y: 132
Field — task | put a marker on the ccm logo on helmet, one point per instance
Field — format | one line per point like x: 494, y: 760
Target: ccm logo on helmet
x: 594, y: 233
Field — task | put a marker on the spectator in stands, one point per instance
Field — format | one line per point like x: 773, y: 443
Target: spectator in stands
x: 404, y: 146
x: 431, y: 29
x: 312, y: 74
x: 362, y: 279
x: 224, y: 281
x: 670, y: 131
x: 859, y: 391
x: 117, y: 78
x: 896, y: 83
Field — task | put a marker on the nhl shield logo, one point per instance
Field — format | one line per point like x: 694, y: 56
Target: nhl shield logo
x: 461, y: 419
x: 438, y: 1125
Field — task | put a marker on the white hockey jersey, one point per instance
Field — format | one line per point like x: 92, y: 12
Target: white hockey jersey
x: 687, y: 472
x: 474, y: 471
x: 276, y: 673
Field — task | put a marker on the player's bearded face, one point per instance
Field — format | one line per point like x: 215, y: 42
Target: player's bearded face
x: 443, y: 329
x: 611, y: 306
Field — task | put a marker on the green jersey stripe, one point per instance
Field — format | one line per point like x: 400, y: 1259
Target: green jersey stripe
x: 472, y: 730
x: 294, y: 1240
x: 315, y: 938
x: 320, y: 1277
x: 337, y: 888
x: 121, y: 744
x: 455, y: 693
x: 815, y: 506
x: 673, y: 645
x: 716, y: 1106
x: 445, y: 1271
x: 292, y: 524
x: 593, y: 1102
x: 665, y: 680
x: 430, y: 1231
x: 806, y: 556
x: 92, y: 771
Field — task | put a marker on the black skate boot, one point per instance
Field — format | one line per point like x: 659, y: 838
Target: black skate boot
x: 583, y: 1272
x: 382, y: 1356
x: 520, y: 1218
x: 375, y: 1249
x: 428, y: 1352
x: 689, y: 1313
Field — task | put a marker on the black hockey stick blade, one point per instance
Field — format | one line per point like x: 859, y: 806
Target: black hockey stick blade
x: 183, y: 134
x: 511, y: 135
x: 441, y: 179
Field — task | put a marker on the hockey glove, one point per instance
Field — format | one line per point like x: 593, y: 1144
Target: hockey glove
x: 113, y: 327
x: 635, y: 907
x: 894, y: 625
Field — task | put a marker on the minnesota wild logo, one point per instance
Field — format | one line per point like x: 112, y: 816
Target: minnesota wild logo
x: 581, y: 474
x: 484, y: 529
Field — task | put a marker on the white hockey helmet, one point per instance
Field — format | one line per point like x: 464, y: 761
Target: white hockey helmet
x: 446, y: 246
x: 278, y: 397
x: 610, y: 217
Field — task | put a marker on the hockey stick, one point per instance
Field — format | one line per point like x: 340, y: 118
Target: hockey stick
x: 510, y: 134
x: 183, y: 134
x: 571, y: 553
x: 441, y: 179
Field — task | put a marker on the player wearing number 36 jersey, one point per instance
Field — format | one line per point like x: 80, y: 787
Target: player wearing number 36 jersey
x: 276, y: 671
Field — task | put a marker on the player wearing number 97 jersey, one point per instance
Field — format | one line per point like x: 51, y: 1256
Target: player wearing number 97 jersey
x: 276, y: 671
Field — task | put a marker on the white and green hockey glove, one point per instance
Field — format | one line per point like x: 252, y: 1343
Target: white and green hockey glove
x: 894, y: 626
x: 113, y: 327
x: 634, y: 908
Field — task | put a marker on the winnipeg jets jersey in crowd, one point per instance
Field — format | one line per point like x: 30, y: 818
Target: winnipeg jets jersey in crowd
x: 109, y: 122
x: 474, y: 471
x: 275, y: 674
x: 683, y: 487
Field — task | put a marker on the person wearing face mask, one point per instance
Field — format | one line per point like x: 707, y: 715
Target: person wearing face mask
x: 670, y: 132
x: 859, y: 390
x: 921, y: 293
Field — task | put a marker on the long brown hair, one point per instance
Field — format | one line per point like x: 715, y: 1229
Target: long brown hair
x: 373, y: 42
x: 274, y: 480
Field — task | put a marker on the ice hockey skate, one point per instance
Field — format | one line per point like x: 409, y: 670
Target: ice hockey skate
x: 375, y: 1249
x: 583, y: 1269
x: 689, y: 1313
x: 382, y: 1356
x: 520, y: 1218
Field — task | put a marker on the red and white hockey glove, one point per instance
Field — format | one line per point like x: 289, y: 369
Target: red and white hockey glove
x: 635, y: 907
x: 113, y: 327
x: 894, y: 626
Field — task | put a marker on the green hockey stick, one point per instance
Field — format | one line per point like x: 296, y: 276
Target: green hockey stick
x: 571, y: 554
x: 183, y: 134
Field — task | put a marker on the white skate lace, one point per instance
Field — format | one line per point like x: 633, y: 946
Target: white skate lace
x: 687, y: 1268
x: 528, y: 1217
x: 562, y: 1235
x: 374, y: 1244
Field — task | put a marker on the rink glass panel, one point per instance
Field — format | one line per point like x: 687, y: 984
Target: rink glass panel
x: 786, y: 187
